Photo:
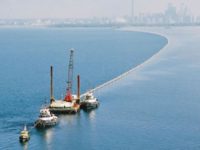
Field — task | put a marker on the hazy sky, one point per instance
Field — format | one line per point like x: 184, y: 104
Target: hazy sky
x: 86, y: 8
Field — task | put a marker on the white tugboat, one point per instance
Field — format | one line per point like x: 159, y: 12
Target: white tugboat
x: 46, y: 119
x: 89, y: 101
x: 24, y: 135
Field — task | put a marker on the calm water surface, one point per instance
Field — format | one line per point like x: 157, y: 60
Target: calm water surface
x: 100, y: 55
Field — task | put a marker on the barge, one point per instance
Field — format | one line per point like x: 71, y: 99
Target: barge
x: 70, y: 104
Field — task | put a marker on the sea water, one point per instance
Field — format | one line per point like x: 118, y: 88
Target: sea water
x: 26, y: 55
x: 157, y: 106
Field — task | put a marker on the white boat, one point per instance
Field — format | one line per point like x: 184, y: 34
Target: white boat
x: 24, y: 135
x: 46, y: 119
x: 89, y: 101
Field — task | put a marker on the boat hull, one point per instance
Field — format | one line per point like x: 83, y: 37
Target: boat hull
x: 24, y: 139
x: 89, y: 105
x: 45, y: 124
x: 64, y: 110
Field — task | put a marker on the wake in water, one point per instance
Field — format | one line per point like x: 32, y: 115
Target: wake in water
x: 112, y: 81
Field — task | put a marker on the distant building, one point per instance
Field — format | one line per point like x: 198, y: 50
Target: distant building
x: 171, y: 14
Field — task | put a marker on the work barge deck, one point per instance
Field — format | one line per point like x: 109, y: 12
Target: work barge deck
x: 71, y: 103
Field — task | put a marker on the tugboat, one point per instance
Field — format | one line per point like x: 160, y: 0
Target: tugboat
x: 46, y: 119
x: 24, y: 135
x: 70, y: 104
x: 89, y: 101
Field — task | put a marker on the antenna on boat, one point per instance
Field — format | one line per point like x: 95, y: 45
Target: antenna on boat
x: 51, y: 85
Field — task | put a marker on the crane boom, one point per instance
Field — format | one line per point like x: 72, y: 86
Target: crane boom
x: 68, y: 96
x: 70, y: 70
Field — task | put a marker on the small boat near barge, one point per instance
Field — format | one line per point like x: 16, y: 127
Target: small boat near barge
x: 46, y: 119
x: 89, y: 101
x: 24, y: 135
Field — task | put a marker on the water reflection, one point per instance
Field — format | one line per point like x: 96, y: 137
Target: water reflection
x: 68, y: 120
x: 46, y: 134
x: 91, y: 114
x: 24, y: 145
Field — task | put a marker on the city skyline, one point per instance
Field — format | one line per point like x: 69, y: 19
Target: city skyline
x: 27, y: 9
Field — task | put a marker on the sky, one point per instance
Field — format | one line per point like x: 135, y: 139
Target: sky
x: 23, y: 9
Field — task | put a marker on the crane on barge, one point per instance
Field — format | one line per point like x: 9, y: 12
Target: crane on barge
x: 70, y: 104
x: 68, y: 96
